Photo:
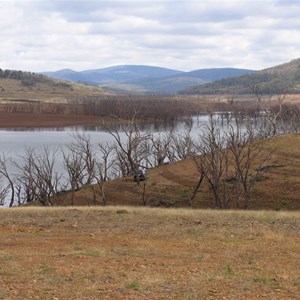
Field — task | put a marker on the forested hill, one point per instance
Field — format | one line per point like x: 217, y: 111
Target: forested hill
x: 281, y: 78
x: 27, y: 78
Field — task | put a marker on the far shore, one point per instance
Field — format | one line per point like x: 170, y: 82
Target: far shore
x: 18, y: 120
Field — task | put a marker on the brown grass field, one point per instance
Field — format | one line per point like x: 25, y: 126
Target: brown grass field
x: 148, y: 253
x: 53, y: 91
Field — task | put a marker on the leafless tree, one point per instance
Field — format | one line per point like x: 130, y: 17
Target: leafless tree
x: 104, y: 167
x: 74, y: 166
x: 26, y: 180
x: 271, y: 106
x: 131, y: 149
x: 82, y: 146
x: 36, y: 178
x: 47, y: 179
x: 160, y: 147
x: 4, y: 189
x: 8, y: 177
x: 212, y: 164
x: 247, y: 159
x: 183, y: 145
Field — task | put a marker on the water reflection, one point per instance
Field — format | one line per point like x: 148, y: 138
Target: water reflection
x: 152, y: 127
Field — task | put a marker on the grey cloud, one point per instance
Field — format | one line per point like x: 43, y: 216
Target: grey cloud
x: 185, y: 34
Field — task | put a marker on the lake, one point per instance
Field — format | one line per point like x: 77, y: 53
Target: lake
x: 15, y: 141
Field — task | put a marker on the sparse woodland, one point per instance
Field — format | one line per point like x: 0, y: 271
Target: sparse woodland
x: 230, y: 161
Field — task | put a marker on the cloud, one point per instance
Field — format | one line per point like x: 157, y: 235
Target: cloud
x: 81, y: 34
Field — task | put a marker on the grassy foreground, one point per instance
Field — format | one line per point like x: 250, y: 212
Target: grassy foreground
x: 147, y: 253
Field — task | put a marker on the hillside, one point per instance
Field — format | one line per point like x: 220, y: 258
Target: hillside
x: 27, y: 86
x: 174, y: 183
x: 281, y: 78
x: 146, y: 79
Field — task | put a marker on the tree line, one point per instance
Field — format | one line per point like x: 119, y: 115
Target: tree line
x: 154, y: 108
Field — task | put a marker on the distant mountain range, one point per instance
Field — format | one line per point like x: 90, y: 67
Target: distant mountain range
x: 132, y: 79
x: 284, y: 78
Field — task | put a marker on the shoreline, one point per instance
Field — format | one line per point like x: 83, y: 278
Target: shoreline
x: 24, y: 120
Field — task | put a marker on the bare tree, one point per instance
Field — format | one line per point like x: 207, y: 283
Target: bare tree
x: 26, y: 181
x: 3, y: 191
x: 131, y: 149
x: 82, y: 146
x: 4, y: 172
x: 183, y: 144
x: 247, y: 162
x: 160, y: 146
x: 271, y: 106
x: 47, y: 179
x: 104, y: 165
x: 74, y: 166
x: 212, y: 164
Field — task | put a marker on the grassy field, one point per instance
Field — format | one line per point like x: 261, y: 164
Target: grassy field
x: 147, y: 253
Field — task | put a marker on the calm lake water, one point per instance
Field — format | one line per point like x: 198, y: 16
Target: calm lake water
x: 14, y: 141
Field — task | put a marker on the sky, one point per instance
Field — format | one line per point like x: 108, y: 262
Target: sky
x: 49, y: 35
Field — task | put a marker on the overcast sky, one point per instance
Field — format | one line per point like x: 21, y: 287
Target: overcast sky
x: 45, y: 35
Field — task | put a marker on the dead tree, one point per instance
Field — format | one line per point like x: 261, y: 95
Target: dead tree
x: 8, y: 177
x: 131, y: 148
x: 160, y: 145
x: 3, y: 191
x: 271, y: 107
x: 82, y: 146
x: 212, y: 164
x: 25, y: 177
x: 247, y: 159
x: 74, y: 166
x: 47, y: 179
x: 183, y: 144
x: 104, y: 167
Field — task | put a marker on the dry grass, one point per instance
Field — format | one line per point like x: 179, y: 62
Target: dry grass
x: 175, y: 183
x: 53, y: 91
x: 144, y: 253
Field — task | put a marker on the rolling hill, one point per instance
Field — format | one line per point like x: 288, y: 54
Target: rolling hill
x: 123, y: 73
x: 131, y: 79
x: 281, y: 78
x: 27, y: 86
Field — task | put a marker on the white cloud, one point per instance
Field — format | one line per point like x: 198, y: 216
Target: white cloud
x: 42, y: 35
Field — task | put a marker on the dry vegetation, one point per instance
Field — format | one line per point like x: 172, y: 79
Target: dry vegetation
x: 57, y: 91
x: 123, y: 252
x: 174, y: 183
x: 140, y: 253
